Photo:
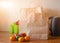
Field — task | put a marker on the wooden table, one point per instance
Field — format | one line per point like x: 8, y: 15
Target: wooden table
x: 4, y: 38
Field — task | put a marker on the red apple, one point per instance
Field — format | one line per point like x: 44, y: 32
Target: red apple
x: 23, y: 34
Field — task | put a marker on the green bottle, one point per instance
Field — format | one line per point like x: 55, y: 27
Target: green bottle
x: 16, y: 29
x: 11, y: 29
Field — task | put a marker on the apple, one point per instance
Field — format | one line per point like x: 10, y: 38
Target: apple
x: 23, y: 34
x: 27, y: 38
x: 21, y: 39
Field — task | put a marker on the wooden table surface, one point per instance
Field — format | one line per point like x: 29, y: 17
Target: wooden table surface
x: 4, y: 38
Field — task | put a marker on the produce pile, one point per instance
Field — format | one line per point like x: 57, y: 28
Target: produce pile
x: 21, y: 37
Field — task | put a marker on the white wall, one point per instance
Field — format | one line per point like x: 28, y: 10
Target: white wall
x: 52, y: 7
x: 4, y: 19
x: 12, y: 13
x: 52, y: 4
